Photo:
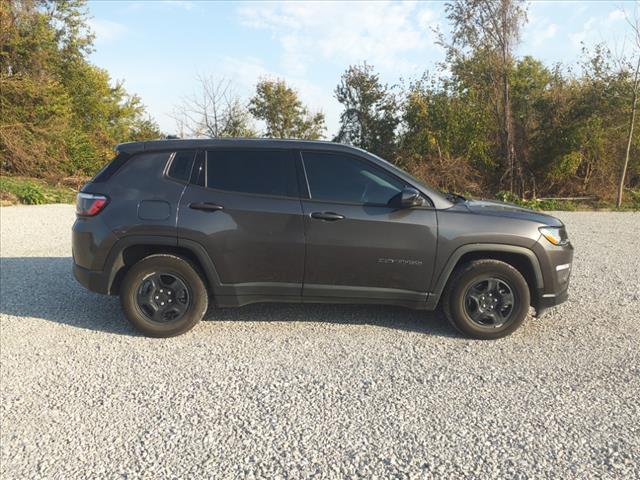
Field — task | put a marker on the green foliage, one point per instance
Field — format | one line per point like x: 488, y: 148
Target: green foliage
x: 511, y: 197
x: 634, y: 196
x: 565, y: 166
x: 283, y: 113
x: 370, y: 117
x: 31, y: 195
x: 34, y: 191
x: 439, y: 120
x: 60, y: 114
x: 569, y: 129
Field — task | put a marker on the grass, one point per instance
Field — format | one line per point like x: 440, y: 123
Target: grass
x: 33, y: 191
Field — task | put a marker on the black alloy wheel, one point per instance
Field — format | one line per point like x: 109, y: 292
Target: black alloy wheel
x: 486, y: 299
x: 163, y: 297
x: 490, y: 302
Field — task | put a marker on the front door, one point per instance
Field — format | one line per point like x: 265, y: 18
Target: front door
x: 247, y: 215
x: 360, y: 243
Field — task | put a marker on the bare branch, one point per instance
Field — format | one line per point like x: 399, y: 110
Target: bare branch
x: 213, y: 111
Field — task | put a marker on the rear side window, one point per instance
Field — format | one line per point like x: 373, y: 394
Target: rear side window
x: 343, y: 178
x: 181, y: 165
x: 110, y: 168
x: 264, y: 172
x: 141, y: 168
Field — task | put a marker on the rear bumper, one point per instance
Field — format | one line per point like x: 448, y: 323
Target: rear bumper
x: 93, y: 280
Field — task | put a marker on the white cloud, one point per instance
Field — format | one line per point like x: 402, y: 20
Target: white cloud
x: 106, y: 30
x: 545, y: 34
x: 349, y: 32
x: 426, y: 18
x: 538, y: 29
x: 394, y: 37
x: 615, y: 16
x: 245, y: 72
x: 587, y: 32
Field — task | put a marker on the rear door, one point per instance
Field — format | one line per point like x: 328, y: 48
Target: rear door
x: 360, y: 243
x: 245, y: 211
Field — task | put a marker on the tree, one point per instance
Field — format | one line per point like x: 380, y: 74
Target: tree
x: 529, y: 81
x: 214, y: 111
x: 443, y: 136
x: 370, y: 115
x: 284, y: 115
x: 60, y: 113
x: 635, y: 88
x: 493, y: 28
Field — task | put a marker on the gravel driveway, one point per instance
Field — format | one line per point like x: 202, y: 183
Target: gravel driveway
x: 326, y: 391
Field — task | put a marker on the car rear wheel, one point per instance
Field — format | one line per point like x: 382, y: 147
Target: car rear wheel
x: 486, y: 299
x: 163, y: 295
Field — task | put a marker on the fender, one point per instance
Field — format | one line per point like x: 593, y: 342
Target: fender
x: 115, y: 260
x: 441, y: 282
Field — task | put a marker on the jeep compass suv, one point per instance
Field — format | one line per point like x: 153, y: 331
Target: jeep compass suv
x: 172, y: 225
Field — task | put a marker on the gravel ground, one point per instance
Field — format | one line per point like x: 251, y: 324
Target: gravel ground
x: 326, y: 391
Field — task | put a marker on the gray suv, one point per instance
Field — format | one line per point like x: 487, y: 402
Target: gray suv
x: 173, y: 225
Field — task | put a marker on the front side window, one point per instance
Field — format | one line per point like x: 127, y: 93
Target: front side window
x: 264, y: 172
x: 337, y: 177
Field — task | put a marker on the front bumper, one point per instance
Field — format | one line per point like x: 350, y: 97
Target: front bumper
x: 556, y: 263
x: 549, y: 300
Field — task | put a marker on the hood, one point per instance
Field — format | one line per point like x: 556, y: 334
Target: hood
x: 502, y: 209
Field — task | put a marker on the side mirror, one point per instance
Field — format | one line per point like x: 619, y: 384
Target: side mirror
x: 410, y: 197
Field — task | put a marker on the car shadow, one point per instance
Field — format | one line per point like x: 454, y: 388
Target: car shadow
x: 44, y: 288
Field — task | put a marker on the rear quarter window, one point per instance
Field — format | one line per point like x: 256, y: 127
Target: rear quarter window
x: 142, y: 168
x: 110, y: 168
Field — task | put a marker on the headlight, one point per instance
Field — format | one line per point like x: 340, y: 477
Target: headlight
x: 555, y: 235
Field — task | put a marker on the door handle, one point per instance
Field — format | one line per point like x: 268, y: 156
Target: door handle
x: 206, y: 206
x: 328, y: 216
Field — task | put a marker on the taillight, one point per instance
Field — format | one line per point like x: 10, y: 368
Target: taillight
x: 90, y: 204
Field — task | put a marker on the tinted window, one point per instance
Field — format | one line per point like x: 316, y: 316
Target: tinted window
x: 181, y: 164
x: 341, y: 178
x: 142, y: 166
x: 110, y: 168
x: 266, y: 172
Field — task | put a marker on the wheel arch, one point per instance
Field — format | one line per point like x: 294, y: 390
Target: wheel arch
x: 522, y: 259
x: 129, y: 250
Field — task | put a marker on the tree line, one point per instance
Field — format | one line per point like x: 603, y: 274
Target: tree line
x: 483, y: 121
x: 60, y: 115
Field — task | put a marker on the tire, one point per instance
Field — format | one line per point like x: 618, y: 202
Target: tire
x: 480, y: 309
x: 163, y: 295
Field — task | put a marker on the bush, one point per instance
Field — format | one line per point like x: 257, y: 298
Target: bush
x: 516, y: 200
x: 31, y: 195
x: 634, y: 196
x: 33, y: 191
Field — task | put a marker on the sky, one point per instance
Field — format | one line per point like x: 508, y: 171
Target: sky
x: 158, y: 48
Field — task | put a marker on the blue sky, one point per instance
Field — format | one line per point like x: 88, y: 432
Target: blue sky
x: 159, y: 47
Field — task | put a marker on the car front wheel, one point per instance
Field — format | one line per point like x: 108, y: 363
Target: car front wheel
x: 486, y: 299
x: 163, y: 295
